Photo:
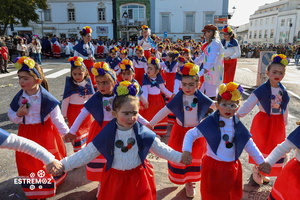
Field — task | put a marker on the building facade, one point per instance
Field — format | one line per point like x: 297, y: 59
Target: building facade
x: 167, y: 18
x: 275, y: 23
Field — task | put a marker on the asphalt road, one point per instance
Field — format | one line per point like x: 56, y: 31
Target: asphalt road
x: 76, y: 186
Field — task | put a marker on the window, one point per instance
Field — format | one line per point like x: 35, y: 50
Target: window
x: 273, y: 20
x: 267, y: 20
x: 260, y: 34
x: 251, y: 23
x: 250, y: 35
x: 165, y: 21
x: 47, y: 15
x: 134, y: 11
x: 282, y: 22
x: 266, y: 34
x: 254, y: 34
x: 261, y: 22
x: 101, y: 14
x: 272, y: 33
x: 255, y: 22
x: 71, y: 14
x: 190, y: 23
x: 209, y: 18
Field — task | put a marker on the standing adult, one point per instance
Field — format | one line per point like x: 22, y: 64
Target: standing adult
x: 231, y: 53
x: 145, y: 40
x: 212, y: 59
x: 297, y: 54
x: 21, y: 47
x: 86, y: 50
x: 36, y: 49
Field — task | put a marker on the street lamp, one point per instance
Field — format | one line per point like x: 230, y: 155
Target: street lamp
x: 42, y: 22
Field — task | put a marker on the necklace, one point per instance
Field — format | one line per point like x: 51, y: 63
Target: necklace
x: 120, y: 144
x: 190, y: 107
x: 225, y: 137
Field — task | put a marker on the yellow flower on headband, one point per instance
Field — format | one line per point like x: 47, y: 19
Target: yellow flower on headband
x: 222, y: 88
x: 153, y: 59
x: 100, y: 68
x: 280, y: 58
x: 122, y: 90
x: 236, y: 95
x: 230, y: 91
x: 125, y: 83
x: 189, y: 65
x: 194, y: 71
x: 29, y: 62
x: 145, y: 27
x: 231, y: 86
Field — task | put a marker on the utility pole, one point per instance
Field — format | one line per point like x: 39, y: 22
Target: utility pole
x: 114, y: 20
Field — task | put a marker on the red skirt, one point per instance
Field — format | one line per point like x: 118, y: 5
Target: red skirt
x: 139, y: 75
x: 89, y: 64
x: 180, y: 173
x: 156, y: 103
x: 134, y: 184
x: 82, y: 133
x: 221, y: 180
x: 56, y: 51
x: 267, y: 132
x: 147, y: 54
x: 287, y: 184
x: 170, y: 80
x: 95, y: 167
x: 47, y: 136
x: 229, y: 70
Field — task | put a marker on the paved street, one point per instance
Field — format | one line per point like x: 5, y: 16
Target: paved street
x: 76, y: 186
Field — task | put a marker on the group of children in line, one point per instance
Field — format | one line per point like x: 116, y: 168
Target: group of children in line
x: 113, y: 129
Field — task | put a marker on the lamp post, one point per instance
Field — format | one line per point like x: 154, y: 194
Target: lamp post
x: 114, y: 20
x: 42, y: 22
x: 290, y: 26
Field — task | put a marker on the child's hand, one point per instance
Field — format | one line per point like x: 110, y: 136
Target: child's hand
x: 70, y: 137
x: 22, y: 111
x: 56, y: 168
x: 146, y: 105
x: 186, y: 158
x: 265, y: 168
x: 173, y: 95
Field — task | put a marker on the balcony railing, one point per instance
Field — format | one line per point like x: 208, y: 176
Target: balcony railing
x: 130, y: 22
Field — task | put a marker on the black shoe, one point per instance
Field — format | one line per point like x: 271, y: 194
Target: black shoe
x: 6, y: 71
x: 2, y: 71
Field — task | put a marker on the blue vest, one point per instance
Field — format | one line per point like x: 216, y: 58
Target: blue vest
x: 176, y: 105
x: 137, y: 60
x: 159, y: 80
x: 209, y: 128
x: 48, y: 103
x: 294, y: 137
x: 171, y: 65
x: 105, y: 141
x: 232, y: 43
x: 79, y: 48
x: 263, y: 93
x: 72, y: 88
x: 113, y: 62
x: 95, y: 106
x: 3, y: 135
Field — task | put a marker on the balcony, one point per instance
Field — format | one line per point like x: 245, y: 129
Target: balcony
x: 130, y: 22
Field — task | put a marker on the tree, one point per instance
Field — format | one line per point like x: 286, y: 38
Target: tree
x: 19, y: 12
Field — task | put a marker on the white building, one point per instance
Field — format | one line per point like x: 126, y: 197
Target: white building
x: 66, y: 18
x: 275, y: 23
x: 186, y: 19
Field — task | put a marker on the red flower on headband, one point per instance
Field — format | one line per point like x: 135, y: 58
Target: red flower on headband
x: 226, y: 95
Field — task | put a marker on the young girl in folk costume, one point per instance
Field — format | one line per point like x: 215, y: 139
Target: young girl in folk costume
x: 231, y: 53
x: 113, y: 60
x: 170, y: 68
x: 100, y: 107
x: 78, y: 90
x: 55, y: 47
x: 127, y: 74
x: 40, y: 119
x: 139, y: 64
x: 145, y: 40
x: 226, y: 138
x: 189, y: 106
x: 124, y: 54
x: 212, y: 59
x: 153, y: 86
x: 177, y: 83
x: 286, y: 186
x: 86, y: 50
x: 186, y: 53
x: 3, y: 57
x: 125, y: 143
x: 21, y: 144
x: 268, y: 126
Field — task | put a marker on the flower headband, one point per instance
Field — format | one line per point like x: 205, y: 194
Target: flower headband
x: 25, y: 63
x: 114, y: 49
x: 186, y: 50
x: 126, y: 64
x: 230, y: 91
x: 126, y: 88
x: 75, y: 61
x: 226, y: 29
x: 176, y: 53
x: 144, y: 27
x: 139, y: 48
x: 280, y: 58
x: 124, y: 51
x: 153, y: 61
x: 181, y: 59
x: 101, y: 68
x: 152, y: 50
x: 87, y: 29
x: 189, y: 69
